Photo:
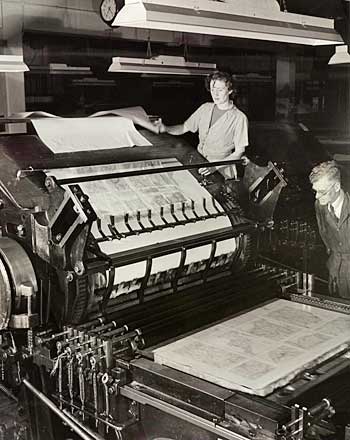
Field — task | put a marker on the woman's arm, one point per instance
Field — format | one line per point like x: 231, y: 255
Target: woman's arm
x: 175, y: 130
x: 235, y: 155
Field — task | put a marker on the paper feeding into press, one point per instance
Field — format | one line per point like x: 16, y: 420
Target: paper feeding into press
x: 105, y: 130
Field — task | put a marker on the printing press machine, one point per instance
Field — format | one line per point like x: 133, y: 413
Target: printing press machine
x: 78, y: 340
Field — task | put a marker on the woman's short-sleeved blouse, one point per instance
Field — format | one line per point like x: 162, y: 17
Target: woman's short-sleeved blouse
x: 228, y: 133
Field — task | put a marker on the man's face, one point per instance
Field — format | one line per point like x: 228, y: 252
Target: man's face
x: 327, y: 191
x: 219, y: 91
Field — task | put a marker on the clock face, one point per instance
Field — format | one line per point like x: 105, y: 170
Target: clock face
x: 108, y: 10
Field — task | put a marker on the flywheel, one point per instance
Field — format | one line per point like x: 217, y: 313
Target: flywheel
x: 16, y: 271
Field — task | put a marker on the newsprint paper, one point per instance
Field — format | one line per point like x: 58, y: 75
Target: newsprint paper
x: 260, y: 350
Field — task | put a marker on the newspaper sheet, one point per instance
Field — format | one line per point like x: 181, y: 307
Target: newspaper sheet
x: 67, y: 135
x: 33, y: 114
x: 149, y: 194
x: 136, y: 114
x: 260, y: 350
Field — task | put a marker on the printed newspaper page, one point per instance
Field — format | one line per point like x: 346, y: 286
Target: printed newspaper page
x: 260, y: 350
x: 68, y: 135
x: 137, y: 114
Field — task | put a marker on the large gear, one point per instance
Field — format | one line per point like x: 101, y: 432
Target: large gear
x: 16, y: 276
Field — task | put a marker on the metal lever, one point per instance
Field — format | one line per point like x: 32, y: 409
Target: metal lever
x: 162, y: 215
x: 172, y: 212
x: 194, y: 209
x: 149, y: 216
x: 104, y: 381
x: 94, y: 388
x: 183, y: 210
x: 81, y: 380
x: 126, y: 221
x: 205, y: 206
x: 60, y: 381
x: 70, y: 382
x: 113, y: 229
x: 138, y: 218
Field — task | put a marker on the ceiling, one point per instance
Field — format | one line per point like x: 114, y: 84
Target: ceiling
x: 337, y: 9
x: 43, y: 48
x: 318, y: 8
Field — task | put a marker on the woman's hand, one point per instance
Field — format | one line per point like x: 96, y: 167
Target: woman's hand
x: 160, y: 127
x: 245, y: 160
x: 206, y: 171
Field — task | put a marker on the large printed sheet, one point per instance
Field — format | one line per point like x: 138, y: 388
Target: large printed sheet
x: 67, y: 135
x: 117, y: 196
x: 261, y: 350
x: 102, y: 130
x: 136, y: 114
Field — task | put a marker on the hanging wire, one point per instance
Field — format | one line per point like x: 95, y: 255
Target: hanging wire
x: 283, y: 4
x: 185, y: 45
x: 149, y: 48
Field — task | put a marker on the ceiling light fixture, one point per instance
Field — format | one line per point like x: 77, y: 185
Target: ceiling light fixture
x: 61, y: 69
x: 161, y: 64
x: 64, y: 69
x: 341, y: 55
x: 12, y: 63
x: 239, y: 19
x: 94, y: 82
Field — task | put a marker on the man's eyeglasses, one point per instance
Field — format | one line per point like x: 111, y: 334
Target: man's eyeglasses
x: 323, y: 192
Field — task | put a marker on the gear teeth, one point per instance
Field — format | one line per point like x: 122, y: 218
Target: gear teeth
x: 79, y: 308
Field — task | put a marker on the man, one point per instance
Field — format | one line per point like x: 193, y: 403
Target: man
x: 333, y: 217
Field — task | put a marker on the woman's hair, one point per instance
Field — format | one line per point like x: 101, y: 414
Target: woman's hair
x: 325, y: 169
x: 221, y: 76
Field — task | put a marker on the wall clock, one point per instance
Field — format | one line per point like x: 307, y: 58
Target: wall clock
x: 109, y: 10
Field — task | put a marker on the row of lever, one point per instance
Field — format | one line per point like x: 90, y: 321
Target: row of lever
x: 84, y: 358
x: 149, y: 221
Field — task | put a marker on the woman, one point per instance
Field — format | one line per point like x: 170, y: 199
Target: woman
x: 221, y: 126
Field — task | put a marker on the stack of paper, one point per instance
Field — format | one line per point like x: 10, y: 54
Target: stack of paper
x: 260, y: 350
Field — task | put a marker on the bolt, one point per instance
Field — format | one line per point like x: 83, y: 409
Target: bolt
x: 69, y: 277
x: 26, y: 289
x: 79, y: 268
x: 49, y: 183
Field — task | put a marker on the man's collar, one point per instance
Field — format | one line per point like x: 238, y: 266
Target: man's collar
x: 339, y: 200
